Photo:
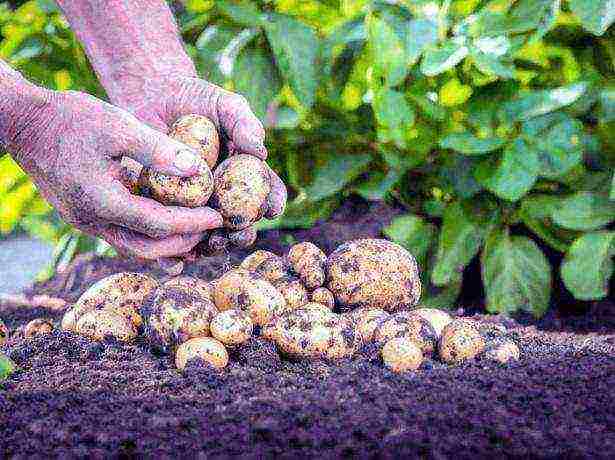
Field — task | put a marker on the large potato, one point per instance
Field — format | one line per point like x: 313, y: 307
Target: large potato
x: 100, y: 324
x: 122, y: 293
x: 373, y: 273
x: 241, y: 187
x: 199, y: 133
x: 250, y: 292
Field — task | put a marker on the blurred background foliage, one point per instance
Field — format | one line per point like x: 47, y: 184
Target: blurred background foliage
x: 491, y: 122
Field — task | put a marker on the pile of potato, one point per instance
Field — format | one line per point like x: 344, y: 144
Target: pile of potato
x: 310, y: 305
x: 238, y: 187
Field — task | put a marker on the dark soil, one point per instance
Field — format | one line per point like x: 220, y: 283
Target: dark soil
x: 75, y: 398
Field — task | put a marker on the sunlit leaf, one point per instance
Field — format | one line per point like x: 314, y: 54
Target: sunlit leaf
x: 585, y: 211
x: 468, y: 144
x: 537, y: 103
x: 413, y: 233
x: 338, y: 171
x: 440, y: 59
x: 595, y: 15
x: 394, y: 116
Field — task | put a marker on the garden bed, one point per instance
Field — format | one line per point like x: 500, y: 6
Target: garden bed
x: 74, y: 397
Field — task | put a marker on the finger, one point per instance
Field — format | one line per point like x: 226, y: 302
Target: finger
x: 277, y: 196
x: 164, y: 154
x: 153, y: 219
x: 130, y: 243
x: 242, y: 127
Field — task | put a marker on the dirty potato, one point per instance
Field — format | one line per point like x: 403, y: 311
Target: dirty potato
x: 208, y: 349
x: 293, y: 291
x: 250, y: 292
x: 367, y: 322
x: 404, y: 324
x: 461, y: 340
x: 177, y: 313
x: 436, y: 317
x: 503, y: 351
x: 4, y: 332
x: 190, y: 192
x: 38, y: 326
x: 253, y: 260
x: 373, y: 273
x: 273, y: 269
x: 232, y: 327
x: 241, y: 187
x: 122, y: 293
x: 402, y: 354
x: 308, y: 261
x: 323, y: 296
x: 100, y: 324
x: 200, y: 133
x: 201, y: 287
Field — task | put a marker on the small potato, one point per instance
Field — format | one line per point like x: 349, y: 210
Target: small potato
x: 293, y: 291
x: 273, y: 269
x: 4, y: 332
x: 190, y: 284
x: 373, y: 273
x: 241, y: 186
x: 232, y: 327
x: 402, y: 354
x: 323, y: 296
x: 503, y: 352
x: 206, y: 348
x: 460, y: 341
x: 243, y: 239
x: 122, y: 293
x: 436, y: 317
x: 99, y: 324
x: 368, y: 321
x: 190, y: 192
x: 176, y: 314
x: 308, y: 261
x: 405, y: 324
x: 200, y: 133
x: 249, y: 292
x: 253, y: 260
x: 38, y: 326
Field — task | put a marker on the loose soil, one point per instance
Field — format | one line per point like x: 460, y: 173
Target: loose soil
x: 72, y: 397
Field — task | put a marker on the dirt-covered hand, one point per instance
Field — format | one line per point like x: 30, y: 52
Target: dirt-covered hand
x: 71, y: 144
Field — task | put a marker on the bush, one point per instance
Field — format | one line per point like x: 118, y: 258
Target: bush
x: 490, y: 121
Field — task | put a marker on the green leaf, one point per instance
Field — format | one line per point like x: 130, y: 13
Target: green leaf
x: 335, y: 174
x: 595, y: 15
x: 6, y: 367
x: 300, y: 213
x: 413, y: 233
x: 612, y: 196
x: 394, y: 116
x: 493, y: 65
x: 588, y: 265
x: 421, y: 33
x: 528, y: 15
x: 514, y: 174
x: 440, y: 59
x: 516, y: 275
x: 257, y: 78
x: 536, y: 212
x: 468, y: 144
x: 585, y: 211
x: 296, y: 48
x: 245, y: 13
x: 537, y: 103
x: 378, y: 186
x: 460, y: 239
x: 388, y: 53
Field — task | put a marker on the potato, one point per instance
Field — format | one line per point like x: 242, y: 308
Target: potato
x: 249, y: 292
x: 241, y: 187
x: 402, y: 354
x: 100, y: 324
x: 198, y: 286
x: 404, y: 324
x: 200, y: 133
x: 177, y: 313
x: 4, y: 332
x: 308, y: 261
x: 367, y: 323
x: 436, y: 317
x: 293, y: 291
x: 206, y: 348
x: 243, y: 239
x: 314, y: 332
x: 254, y: 259
x: 323, y: 296
x: 232, y: 327
x: 461, y: 340
x: 38, y: 326
x: 273, y: 269
x: 122, y: 293
x: 503, y: 352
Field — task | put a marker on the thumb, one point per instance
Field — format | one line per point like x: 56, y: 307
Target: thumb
x: 166, y: 155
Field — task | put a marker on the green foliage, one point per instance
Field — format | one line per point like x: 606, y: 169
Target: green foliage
x: 488, y: 120
x: 6, y: 367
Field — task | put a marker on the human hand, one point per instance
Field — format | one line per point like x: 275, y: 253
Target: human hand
x: 71, y: 144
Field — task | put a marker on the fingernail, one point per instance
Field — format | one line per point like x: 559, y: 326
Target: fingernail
x: 185, y: 160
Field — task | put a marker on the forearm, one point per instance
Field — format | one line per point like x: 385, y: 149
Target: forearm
x: 22, y: 104
x: 132, y: 45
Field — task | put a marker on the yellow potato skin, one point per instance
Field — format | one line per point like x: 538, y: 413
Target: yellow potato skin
x: 250, y: 292
x: 367, y: 322
x: 308, y: 261
x: 273, y: 269
x: 461, y: 340
x: 323, y: 296
x: 406, y: 324
x: 4, y: 332
x: 122, y: 293
x: 253, y: 260
x: 402, y: 354
x: 190, y: 192
x: 241, y: 187
x: 98, y: 324
x: 373, y: 273
x: 294, y: 292
x: 38, y: 326
x: 208, y: 349
x: 232, y: 327
x: 503, y: 352
x: 204, y: 288
x: 438, y: 319
x: 200, y: 133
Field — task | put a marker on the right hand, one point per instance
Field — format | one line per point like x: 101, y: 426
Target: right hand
x: 71, y: 144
